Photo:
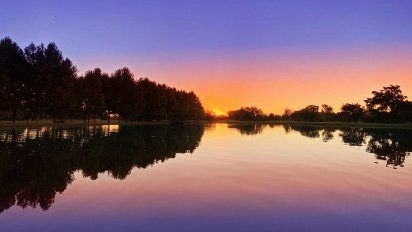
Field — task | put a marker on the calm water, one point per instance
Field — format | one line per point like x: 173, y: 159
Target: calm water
x: 215, y: 177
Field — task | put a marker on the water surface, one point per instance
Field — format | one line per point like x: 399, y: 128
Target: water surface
x: 214, y: 177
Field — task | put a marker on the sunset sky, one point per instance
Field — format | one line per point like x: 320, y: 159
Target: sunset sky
x: 272, y: 54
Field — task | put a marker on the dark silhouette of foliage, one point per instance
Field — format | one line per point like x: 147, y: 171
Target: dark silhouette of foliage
x: 40, y: 83
x: 327, y: 113
x: 91, y: 93
x: 351, y: 112
x: 307, y: 131
x: 389, y: 99
x: 36, y: 99
x: 37, y: 164
x: 389, y: 145
x: 248, y: 129
x: 309, y: 113
x: 13, y: 76
x: 387, y: 104
x: 61, y: 76
x: 246, y: 113
x: 353, y: 136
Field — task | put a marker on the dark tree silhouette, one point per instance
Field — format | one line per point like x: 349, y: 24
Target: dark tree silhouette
x: 36, y: 102
x: 387, y: 104
x: 388, y: 99
x: 61, y: 76
x: 327, y: 113
x: 13, y: 75
x: 351, y: 112
x: 309, y: 113
x: 246, y: 113
x: 91, y: 93
x: 40, y: 83
x: 248, y: 129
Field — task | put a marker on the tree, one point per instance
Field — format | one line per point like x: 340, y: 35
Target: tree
x: 246, y: 113
x: 195, y: 109
x: 126, y: 102
x: 352, y: 112
x: 309, y: 113
x: 327, y: 109
x: 13, y: 72
x: 92, y: 97
x: 40, y: 83
x: 60, y: 76
x: 386, y: 104
x: 327, y: 112
x: 387, y: 99
x: 153, y: 100
x: 36, y: 102
x: 287, y: 114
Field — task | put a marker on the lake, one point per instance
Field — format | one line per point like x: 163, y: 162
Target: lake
x: 205, y: 177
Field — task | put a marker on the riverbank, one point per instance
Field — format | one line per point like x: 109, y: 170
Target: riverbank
x: 77, y: 123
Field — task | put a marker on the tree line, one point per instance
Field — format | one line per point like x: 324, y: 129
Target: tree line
x: 37, y: 82
x: 385, y: 105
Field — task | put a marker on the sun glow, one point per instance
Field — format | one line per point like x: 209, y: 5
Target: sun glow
x: 219, y: 112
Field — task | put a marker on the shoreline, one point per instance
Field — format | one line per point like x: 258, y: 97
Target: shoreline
x: 74, y: 123
x: 324, y: 124
x: 78, y: 123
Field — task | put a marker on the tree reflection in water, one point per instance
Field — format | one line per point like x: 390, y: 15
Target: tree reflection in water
x: 248, y: 129
x: 38, y: 163
x: 391, y: 145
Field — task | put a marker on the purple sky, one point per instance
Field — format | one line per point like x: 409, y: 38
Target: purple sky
x: 138, y: 28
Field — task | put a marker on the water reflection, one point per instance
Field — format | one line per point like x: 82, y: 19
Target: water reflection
x: 35, y: 164
x: 390, y: 145
x: 248, y: 129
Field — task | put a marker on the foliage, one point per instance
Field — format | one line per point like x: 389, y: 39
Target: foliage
x: 246, y: 113
x: 40, y: 83
x: 351, y: 112
x: 309, y: 113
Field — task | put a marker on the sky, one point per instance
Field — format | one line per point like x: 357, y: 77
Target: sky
x: 232, y: 53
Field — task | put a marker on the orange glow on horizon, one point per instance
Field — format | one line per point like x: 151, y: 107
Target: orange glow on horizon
x: 218, y: 112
